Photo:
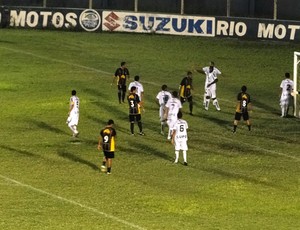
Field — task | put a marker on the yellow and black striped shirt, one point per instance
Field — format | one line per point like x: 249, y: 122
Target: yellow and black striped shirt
x: 243, y: 102
x: 108, y: 135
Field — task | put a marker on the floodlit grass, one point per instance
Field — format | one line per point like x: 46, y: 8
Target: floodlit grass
x: 249, y: 180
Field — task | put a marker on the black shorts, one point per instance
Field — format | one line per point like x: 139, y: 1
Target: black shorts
x: 122, y: 88
x: 189, y: 99
x: 135, y: 117
x: 109, y: 154
x: 238, y: 116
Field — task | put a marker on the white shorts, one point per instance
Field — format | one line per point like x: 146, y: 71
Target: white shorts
x: 73, y: 118
x: 285, y: 100
x: 211, y: 91
x: 181, y: 145
x: 171, y: 122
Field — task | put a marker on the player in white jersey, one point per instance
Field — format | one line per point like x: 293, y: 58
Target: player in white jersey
x: 173, y: 106
x: 180, y: 137
x: 73, y: 117
x: 286, y: 99
x: 162, y: 98
x: 210, y: 86
x: 139, y: 87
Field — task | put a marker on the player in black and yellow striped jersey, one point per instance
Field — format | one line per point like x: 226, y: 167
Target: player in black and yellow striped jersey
x: 107, y: 144
x: 185, y: 90
x: 135, y: 106
x: 121, y: 75
x: 242, y: 108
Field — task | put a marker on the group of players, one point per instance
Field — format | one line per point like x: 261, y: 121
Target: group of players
x: 170, y: 109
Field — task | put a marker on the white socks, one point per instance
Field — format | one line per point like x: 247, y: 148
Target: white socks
x: 184, y: 156
x: 74, y: 129
x: 216, y: 103
x: 177, y: 156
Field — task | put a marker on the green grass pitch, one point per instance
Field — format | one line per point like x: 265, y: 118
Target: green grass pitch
x: 247, y: 180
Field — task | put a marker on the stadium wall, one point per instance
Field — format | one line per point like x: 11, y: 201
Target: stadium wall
x: 285, y: 9
x: 125, y: 21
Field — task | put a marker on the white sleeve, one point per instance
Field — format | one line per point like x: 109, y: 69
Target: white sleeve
x: 217, y: 70
x: 281, y: 84
x: 157, y: 96
x: 142, y: 88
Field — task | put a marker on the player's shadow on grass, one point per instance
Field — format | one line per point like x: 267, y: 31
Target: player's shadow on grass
x: 266, y: 107
x: 105, y: 103
x: 23, y: 152
x: 218, y: 121
x: 45, y: 126
x: 242, y: 150
x: 151, y: 151
x: 77, y: 159
x: 237, y: 176
x: 97, y: 120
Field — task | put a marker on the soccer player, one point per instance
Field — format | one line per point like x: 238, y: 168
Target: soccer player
x: 173, y: 106
x: 286, y: 99
x: 73, y: 115
x: 107, y: 144
x: 121, y: 75
x: 185, y: 90
x: 139, y: 87
x: 162, y: 98
x: 135, y: 110
x: 210, y: 85
x: 242, y: 108
x: 179, y: 138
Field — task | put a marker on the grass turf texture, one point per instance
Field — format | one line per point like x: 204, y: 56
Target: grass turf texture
x: 247, y: 180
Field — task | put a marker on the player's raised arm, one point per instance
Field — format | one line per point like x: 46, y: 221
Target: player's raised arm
x: 200, y: 71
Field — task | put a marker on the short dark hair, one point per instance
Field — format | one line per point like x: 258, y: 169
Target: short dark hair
x: 123, y: 63
x: 164, y: 87
x: 137, y: 78
x: 287, y: 75
x: 179, y: 114
x: 132, y: 88
x: 110, y: 122
x: 73, y: 92
x: 244, y: 89
x: 175, y: 94
x: 189, y: 73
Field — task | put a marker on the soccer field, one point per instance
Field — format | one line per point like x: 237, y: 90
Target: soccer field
x: 49, y: 180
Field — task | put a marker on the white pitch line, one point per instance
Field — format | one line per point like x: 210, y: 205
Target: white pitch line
x: 73, y: 202
x: 67, y: 63
x: 259, y: 148
x: 104, y: 72
x: 79, y: 66
x: 54, y: 60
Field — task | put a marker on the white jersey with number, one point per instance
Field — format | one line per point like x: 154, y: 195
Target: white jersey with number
x: 139, y: 88
x: 174, y: 105
x: 180, y: 128
x: 163, y: 97
x: 74, y: 113
x: 287, y: 86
